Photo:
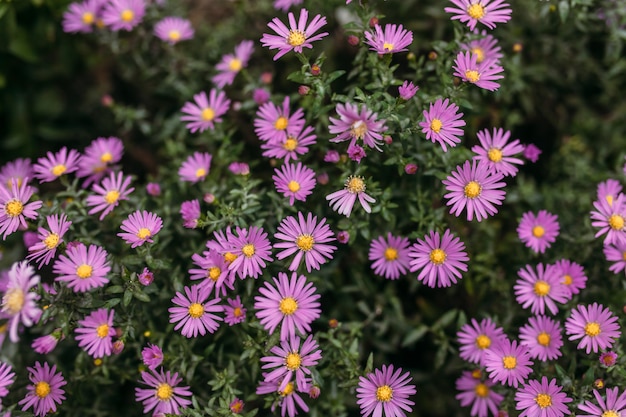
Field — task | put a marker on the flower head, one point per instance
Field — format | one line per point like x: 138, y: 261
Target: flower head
x: 572, y: 276
x: 485, y: 48
x: 385, y: 391
x: 357, y: 122
x: 475, y: 338
x: 98, y: 158
x: 442, y: 123
x: 497, y: 151
x: 542, y: 335
x: 252, y: 249
x: 540, y: 289
x: 173, y: 29
x: 296, y: 142
x: 95, y: 333
x: 204, y: 112
x: 80, y: 17
x: 295, y: 37
x: 483, y: 75
x: 49, y: 239
x: 196, y: 167
x: 46, y: 344
x: 54, y: 165
x: 213, y: 271
x: 145, y: 277
x: 342, y: 201
x: 231, y: 64
x: 531, y: 152
x: 83, y: 268
x: 508, y: 362
x: 610, y: 218
x: 107, y: 196
x: 407, y: 90
x: 394, y: 38
x: 18, y: 171
x: 123, y: 14
x: 440, y: 259
x: 7, y: 377
x: 390, y: 256
x: 19, y: 302
x: 542, y: 399
x: 477, y: 392
x: 45, y: 392
x: 608, y: 358
x: 190, y: 212
x: 594, y: 325
x: 193, y: 313
x: 235, y: 312
x: 289, y: 397
x: 487, y: 12
x: 295, y: 182
x: 538, y: 232
x: 274, y: 124
x: 617, y: 255
x: 609, y: 190
x: 152, y: 356
x: 291, y: 360
x: 613, y: 406
x: 163, y: 394
x: 140, y: 227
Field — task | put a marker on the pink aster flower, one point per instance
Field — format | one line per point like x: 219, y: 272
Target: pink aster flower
x: 608, y: 358
x: 205, y: 112
x: 356, y: 153
x: 284, y: 5
x: 440, y: 259
x: 253, y: 250
x: 394, y: 38
x: 213, y: 271
x: 497, y: 151
x: 307, y: 239
x: 292, y: 360
x: 296, y: 36
x: 95, y: 333
x: 295, y: 182
x: 107, y: 196
x: 56, y: 164
x: 508, y: 363
x: 145, y: 277
x: 18, y: 171
x: 595, y: 326
x: 277, y: 124
x: 98, y: 158
x: 190, y: 212
x: 617, y: 255
x: 542, y: 399
x: 49, y: 239
x: 483, y: 75
x: 572, y: 276
x: 357, y: 122
x: 476, y: 338
x: 83, y: 268
x: 478, y: 394
x: 538, y: 232
x: 80, y: 17
x: 163, y: 396
x: 123, y: 14
x: 407, y: 90
x: 540, y: 289
x: 385, y: 391
x: 487, y: 12
x: 442, y: 124
x: 140, y: 227
x: 173, y: 29
x: 193, y: 313
x: 295, y: 143
x: 19, y: 302
x: 609, y: 190
x: 239, y: 168
x: 531, y: 152
x: 7, y: 377
x: 542, y: 336
x: 390, y: 256
x: 45, y: 392
x: 231, y: 64
x: 46, y: 344
x: 236, y: 406
x: 476, y: 188
x: 196, y: 167
x: 152, y: 356
x: 234, y: 312
x: 613, y: 406
x: 485, y: 48
x: 292, y: 303
x: 288, y: 400
x: 610, y: 218
x: 342, y: 201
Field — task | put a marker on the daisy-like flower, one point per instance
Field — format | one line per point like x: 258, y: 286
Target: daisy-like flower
x: 292, y: 358
x: 542, y: 399
x: 609, y: 190
x: 595, y: 326
x: 485, y: 48
x: 508, y: 363
x: 46, y: 344
x: 252, y: 249
x: 231, y: 64
x: 610, y: 219
x: 19, y: 302
x: 540, y: 289
x: 497, y: 151
x: 276, y: 124
x: 83, y: 268
x: 442, y: 123
x: 213, y: 271
x: 617, y: 255
x: 288, y: 400
x: 572, y: 276
x: 538, y: 232
x: 190, y: 212
x: 163, y: 396
x: 342, y: 201
x: 296, y: 142
x: 173, y: 29
x: 140, y: 227
x: 204, y: 112
x: 440, y: 259
x: 236, y: 406
x: 54, y: 165
x: 394, y: 38
x: 152, y: 356
x: 291, y: 303
x: 476, y: 188
x: 284, y: 5
x: 234, y: 312
x: 193, y: 313
x: 107, y: 196
x: 390, y: 256
x: 123, y: 14
x: 295, y: 182
x: 95, y: 333
x: 7, y: 377
x: 196, y: 167
x: 487, y: 12
x: 608, y: 358
x: 531, y: 152
x: 98, y: 158
x: 476, y: 338
x: 407, y: 90
x: 308, y: 239
x: 542, y: 335
x: 296, y: 36
x: 18, y: 171
x: 45, y: 392
x: 478, y: 394
x: 80, y: 17
x: 49, y: 239
x: 483, y: 75
x: 357, y: 122
x: 385, y: 391
x: 613, y: 406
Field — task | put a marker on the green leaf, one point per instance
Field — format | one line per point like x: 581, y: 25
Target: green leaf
x: 414, y: 335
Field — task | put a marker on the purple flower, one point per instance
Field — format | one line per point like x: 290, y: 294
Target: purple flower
x: 140, y: 227
x: 617, y: 255
x: 46, y: 344
x: 495, y: 150
x: 478, y: 394
x: 275, y: 124
x: 284, y: 5
x: 538, y: 232
x: 331, y: 156
x: 508, y: 363
x: 45, y: 392
x: 173, y: 29
x: 483, y: 75
x: 260, y: 96
x: 442, y: 124
x: 196, y: 167
x: 487, y: 12
x: 108, y: 195
x: 613, y: 406
x: 190, y: 212
x: 542, y: 336
x: 205, y: 112
x: 610, y: 218
x: 594, y: 325
x: 95, y: 333
x: 152, y: 356
x: 342, y: 201
x: 123, y: 14
x: 56, y: 164
x: 394, y: 38
x: 80, y: 17
x: 14, y: 209
x: 239, y: 168
x: 385, y: 391
x: 292, y: 304
x: 252, y: 249
x: 19, y: 302
x: 343, y: 236
x: 83, y: 268
x: 48, y: 240
x: 163, y: 395
x: 407, y: 90
x: 295, y: 182
x: 296, y: 143
x: 485, y: 48
x: 542, y: 399
x: 289, y: 397
x: 356, y: 153
x: 231, y: 64
x: 390, y: 256
x: 572, y: 276
x: 476, y: 188
x: 439, y: 258
x: 18, y: 171
x: 609, y: 190
x: 193, y: 313
x: 145, y: 277
x: 296, y: 36
x: 608, y: 358
x: 97, y: 159
x: 236, y: 406
x: 7, y: 377
x: 531, y: 152
x: 213, y: 272
x: 153, y: 189
x: 292, y: 358
x: 235, y: 312
x: 540, y: 289
x: 357, y: 123
x: 476, y: 338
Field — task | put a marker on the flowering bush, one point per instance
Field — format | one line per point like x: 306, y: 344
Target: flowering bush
x: 325, y: 207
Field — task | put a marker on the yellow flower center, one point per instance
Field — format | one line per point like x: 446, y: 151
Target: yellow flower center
x: 13, y: 301
x: 538, y: 231
x: 495, y: 155
x: 543, y: 400
x: 358, y: 129
x: 102, y: 331
x: 305, y: 242
x: 288, y: 306
x: 207, y: 114
x: 483, y: 341
x: 472, y: 76
x: 542, y: 288
x: 51, y: 241
x: 58, y: 170
x: 200, y: 172
x: 164, y: 392
x: 235, y: 65
x: 84, y: 271
x: 97, y: 362
x: 14, y: 208
x: 288, y: 390
x: 112, y: 196
x: 237, y: 312
x: 543, y: 339
x: 472, y: 189
x: 592, y: 329
x: 127, y: 15
x: 509, y: 362
x: 477, y: 374
x: 476, y: 11
x: 248, y: 250
x: 624, y: 255
x: 609, y: 199
x: 294, y: 186
x: 174, y: 35
x: 436, y: 125
x: 388, y: 47
x: 88, y: 18
x: 144, y: 233
x: 481, y: 390
x: 214, y: 273
x: 106, y: 158
x: 196, y: 310
x: 290, y: 144
x: 293, y: 361
x: 480, y: 54
x: 610, y: 413
x: 437, y: 256
x: 281, y: 123
x: 567, y: 279
x: 616, y: 222
x: 296, y: 38
x: 384, y: 393
x: 42, y: 389
x: 355, y: 185
x: 391, y: 254
x: 229, y: 257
